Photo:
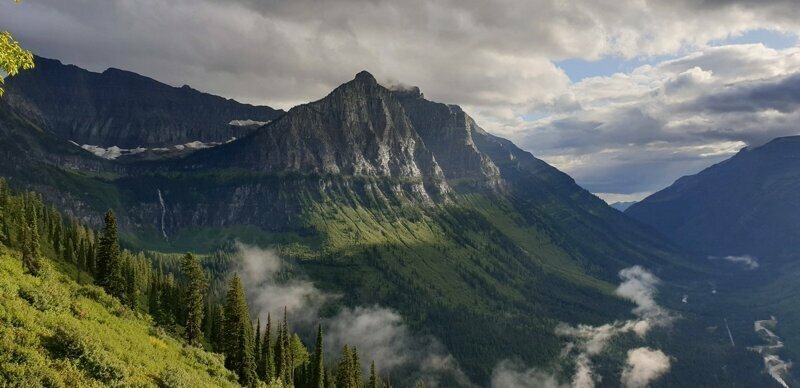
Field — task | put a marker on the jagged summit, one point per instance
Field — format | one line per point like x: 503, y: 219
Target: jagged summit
x: 365, y: 129
x: 359, y: 129
x: 365, y: 76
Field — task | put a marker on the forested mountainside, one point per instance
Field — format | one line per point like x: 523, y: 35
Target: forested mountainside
x: 76, y: 310
x: 382, y: 197
x: 743, y: 215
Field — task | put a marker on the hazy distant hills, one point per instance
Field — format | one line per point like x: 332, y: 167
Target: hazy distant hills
x: 746, y: 205
x: 622, y: 205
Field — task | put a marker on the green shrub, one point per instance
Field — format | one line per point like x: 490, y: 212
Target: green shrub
x: 21, y: 365
x: 47, y: 296
x: 172, y: 377
x: 98, y: 295
x: 70, y: 343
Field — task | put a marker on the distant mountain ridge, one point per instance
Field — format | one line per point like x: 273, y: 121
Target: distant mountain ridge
x: 124, y: 109
x: 622, y: 205
x: 746, y: 205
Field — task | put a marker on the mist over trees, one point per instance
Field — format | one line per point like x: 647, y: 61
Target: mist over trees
x: 179, y: 295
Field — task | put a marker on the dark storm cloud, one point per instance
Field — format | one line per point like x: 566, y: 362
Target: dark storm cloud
x: 782, y: 96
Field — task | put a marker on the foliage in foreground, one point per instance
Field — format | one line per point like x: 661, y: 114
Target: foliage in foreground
x: 58, y: 329
x: 13, y: 58
x: 56, y: 332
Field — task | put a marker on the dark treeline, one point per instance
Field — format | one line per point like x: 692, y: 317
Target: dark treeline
x: 178, y: 296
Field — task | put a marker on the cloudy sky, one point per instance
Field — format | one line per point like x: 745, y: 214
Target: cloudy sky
x: 626, y: 96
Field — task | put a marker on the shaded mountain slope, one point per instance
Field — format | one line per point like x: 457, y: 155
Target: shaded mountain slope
x: 124, y: 109
x: 746, y: 205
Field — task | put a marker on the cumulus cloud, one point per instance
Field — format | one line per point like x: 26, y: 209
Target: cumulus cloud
x: 639, y: 131
x: 380, y: 335
x: 620, y: 134
x: 747, y: 261
x: 643, y: 366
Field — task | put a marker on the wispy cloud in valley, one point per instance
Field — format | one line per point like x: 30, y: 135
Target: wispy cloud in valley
x: 379, y: 333
x: 639, y: 286
x: 747, y: 261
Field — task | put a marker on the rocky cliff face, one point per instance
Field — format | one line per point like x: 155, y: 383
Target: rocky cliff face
x: 448, y: 132
x: 360, y: 129
x: 124, y: 109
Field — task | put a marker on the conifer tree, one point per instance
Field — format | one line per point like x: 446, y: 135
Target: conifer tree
x: 166, y: 312
x: 210, y: 323
x: 318, y: 363
x: 282, y: 366
x: 344, y: 374
x: 218, y: 319
x: 299, y: 358
x: 288, y: 359
x: 131, y: 284
x: 5, y: 234
x: 269, y: 353
x: 69, y: 251
x: 358, y: 377
x: 279, y: 353
x: 257, y: 354
x: 238, y: 334
x: 109, y: 271
x: 29, y: 233
x: 58, y: 235
x: 3, y: 196
x: 153, y: 298
x: 90, y: 262
x: 374, y: 381
x: 193, y: 297
x: 330, y: 379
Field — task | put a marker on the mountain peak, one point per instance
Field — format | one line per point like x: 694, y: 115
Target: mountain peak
x: 365, y: 76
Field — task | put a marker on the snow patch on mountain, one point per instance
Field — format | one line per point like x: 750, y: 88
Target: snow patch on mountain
x: 248, y: 123
x: 114, y: 152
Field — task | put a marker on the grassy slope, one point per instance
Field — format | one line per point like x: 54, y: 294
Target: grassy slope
x: 56, y: 332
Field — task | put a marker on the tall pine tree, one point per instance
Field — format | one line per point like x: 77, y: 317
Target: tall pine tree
x: 269, y: 352
x: 317, y: 363
x: 131, y: 283
x: 238, y: 335
x: 109, y: 261
x: 288, y: 359
x: 257, y: 350
x: 29, y: 233
x: 193, y: 297
x: 358, y: 378
x: 344, y: 374
x: 374, y: 381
